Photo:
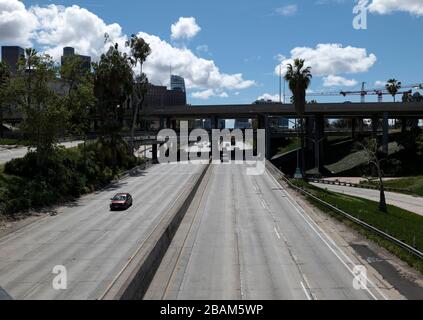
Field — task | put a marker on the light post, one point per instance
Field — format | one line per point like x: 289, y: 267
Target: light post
x: 298, y: 172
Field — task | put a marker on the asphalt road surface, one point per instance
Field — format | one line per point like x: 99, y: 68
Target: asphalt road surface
x: 89, y: 240
x: 248, y: 239
x: 404, y: 201
x: 7, y: 153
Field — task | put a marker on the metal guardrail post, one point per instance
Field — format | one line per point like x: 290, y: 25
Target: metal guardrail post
x: 385, y: 235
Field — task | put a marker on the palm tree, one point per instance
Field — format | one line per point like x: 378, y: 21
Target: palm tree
x: 393, y: 86
x: 299, y: 78
x: 140, y: 50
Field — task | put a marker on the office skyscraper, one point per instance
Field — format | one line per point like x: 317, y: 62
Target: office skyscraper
x: 177, y: 83
x: 11, y: 55
x: 70, y: 52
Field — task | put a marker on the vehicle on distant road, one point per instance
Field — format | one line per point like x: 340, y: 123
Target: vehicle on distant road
x: 121, y: 201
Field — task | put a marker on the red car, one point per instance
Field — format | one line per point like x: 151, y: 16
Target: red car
x: 121, y: 201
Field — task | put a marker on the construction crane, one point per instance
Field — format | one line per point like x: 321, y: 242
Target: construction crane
x: 380, y: 92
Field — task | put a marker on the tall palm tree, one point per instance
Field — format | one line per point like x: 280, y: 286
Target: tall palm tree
x: 299, y: 78
x: 393, y: 86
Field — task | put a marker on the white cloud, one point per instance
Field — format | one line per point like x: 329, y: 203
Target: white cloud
x: 185, y: 28
x: 207, y: 94
x: 50, y: 28
x: 59, y: 26
x: 414, y: 7
x: 337, y: 81
x: 268, y: 96
x: 288, y: 10
x: 199, y: 73
x: 16, y: 23
x: 331, y: 59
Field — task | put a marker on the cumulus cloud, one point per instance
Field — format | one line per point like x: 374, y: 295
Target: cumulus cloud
x: 337, y: 81
x: 50, y: 28
x: 414, y: 7
x: 199, y: 73
x: 268, y: 96
x: 185, y: 28
x: 331, y: 59
x: 207, y: 94
x: 16, y: 23
x: 59, y: 26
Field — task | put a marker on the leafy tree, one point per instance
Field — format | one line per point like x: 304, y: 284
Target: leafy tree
x: 113, y: 83
x: 4, y: 91
x: 79, y: 99
x: 299, y: 78
x: 42, y: 107
x: 140, y: 50
x: 393, y: 86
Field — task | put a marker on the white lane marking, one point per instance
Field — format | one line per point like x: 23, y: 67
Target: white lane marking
x: 277, y: 233
x: 305, y: 291
x: 292, y: 201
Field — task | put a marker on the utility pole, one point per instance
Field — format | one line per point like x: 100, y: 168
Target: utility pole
x: 363, y: 93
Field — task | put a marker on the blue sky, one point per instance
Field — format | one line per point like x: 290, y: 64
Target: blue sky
x: 247, y: 36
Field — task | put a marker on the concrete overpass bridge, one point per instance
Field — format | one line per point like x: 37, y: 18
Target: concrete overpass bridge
x: 315, y: 114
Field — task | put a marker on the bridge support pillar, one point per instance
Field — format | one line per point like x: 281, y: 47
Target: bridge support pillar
x: 319, y: 135
x: 403, y: 124
x: 385, y: 126
x: 162, y: 123
x: 214, y: 123
x: 268, y: 138
x: 154, y: 151
x: 310, y: 124
x: 174, y: 125
x: 353, y: 127
x: 375, y: 126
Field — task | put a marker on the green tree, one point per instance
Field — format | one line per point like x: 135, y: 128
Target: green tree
x: 79, y: 99
x: 393, y: 86
x: 140, y: 50
x: 4, y: 91
x: 43, y: 113
x: 299, y: 78
x: 113, y: 83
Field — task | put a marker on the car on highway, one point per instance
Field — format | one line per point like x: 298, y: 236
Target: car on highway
x: 121, y: 201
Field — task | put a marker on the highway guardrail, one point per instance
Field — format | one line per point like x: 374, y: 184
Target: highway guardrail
x: 355, y: 185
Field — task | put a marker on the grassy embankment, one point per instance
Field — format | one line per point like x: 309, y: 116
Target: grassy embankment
x: 413, y: 184
x: 13, y: 142
x: 65, y: 175
x: 399, y: 223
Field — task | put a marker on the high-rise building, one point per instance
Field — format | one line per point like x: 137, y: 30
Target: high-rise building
x: 159, y: 96
x: 70, y: 52
x: 177, y: 83
x: 11, y: 55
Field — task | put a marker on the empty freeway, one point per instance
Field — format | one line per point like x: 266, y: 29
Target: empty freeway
x: 244, y: 237
x: 93, y: 243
